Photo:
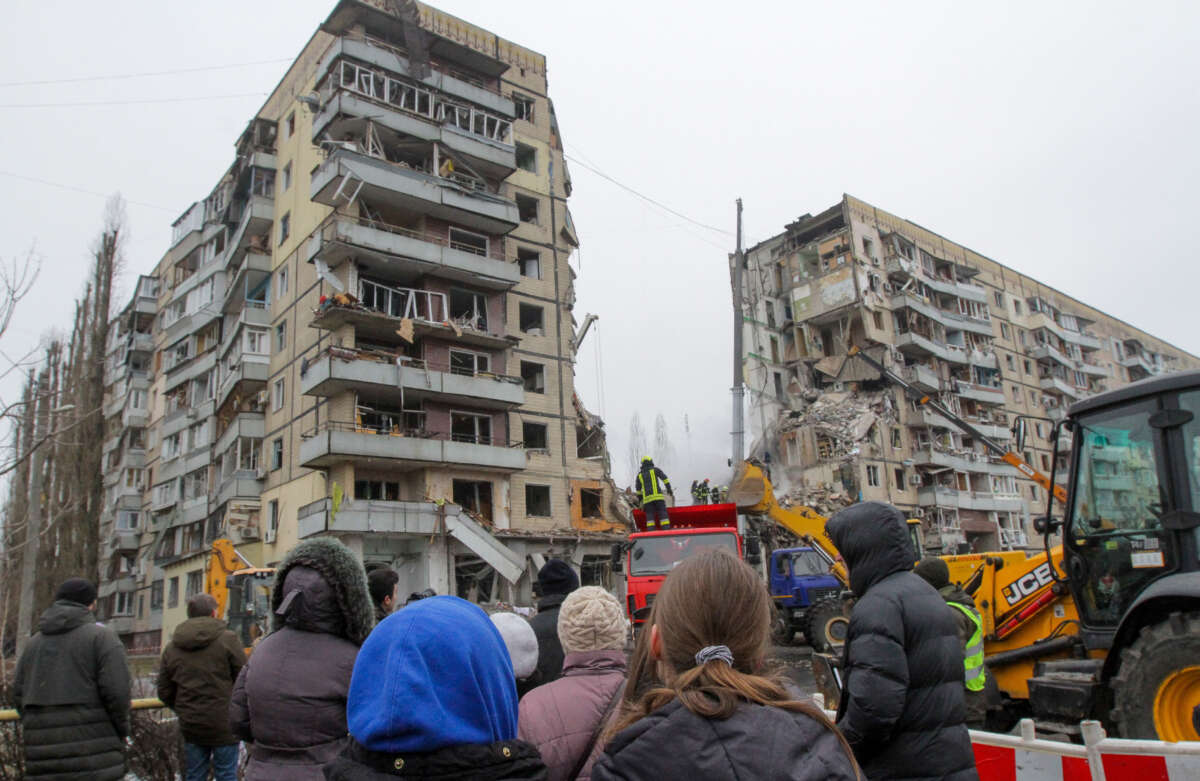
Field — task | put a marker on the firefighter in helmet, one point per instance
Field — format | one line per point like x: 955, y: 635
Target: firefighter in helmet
x: 652, y: 487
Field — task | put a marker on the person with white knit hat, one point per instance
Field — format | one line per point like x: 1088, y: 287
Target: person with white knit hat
x: 522, y: 647
x: 564, y: 718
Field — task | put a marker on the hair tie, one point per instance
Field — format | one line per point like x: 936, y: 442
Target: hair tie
x: 711, y: 652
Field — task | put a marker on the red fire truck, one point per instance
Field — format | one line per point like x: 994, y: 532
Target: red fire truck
x: 648, y: 556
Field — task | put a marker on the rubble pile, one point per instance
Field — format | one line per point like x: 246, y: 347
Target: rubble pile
x: 845, y: 418
x: 824, y: 499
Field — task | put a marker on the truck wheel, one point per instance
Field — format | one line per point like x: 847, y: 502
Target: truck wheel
x: 1157, y: 687
x: 826, y: 625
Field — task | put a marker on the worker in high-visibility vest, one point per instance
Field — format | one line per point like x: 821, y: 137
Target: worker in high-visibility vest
x: 652, y: 487
x: 970, y: 631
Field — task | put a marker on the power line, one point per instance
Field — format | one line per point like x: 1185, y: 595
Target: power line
x: 133, y: 102
x: 646, y: 198
x: 146, y: 74
x: 82, y: 190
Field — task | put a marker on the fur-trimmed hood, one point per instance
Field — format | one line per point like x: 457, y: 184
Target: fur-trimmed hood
x: 341, y: 573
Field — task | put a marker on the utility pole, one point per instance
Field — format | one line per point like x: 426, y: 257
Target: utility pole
x: 739, y: 434
x: 33, y: 521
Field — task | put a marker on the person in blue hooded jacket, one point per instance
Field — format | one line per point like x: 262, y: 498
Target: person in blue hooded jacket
x: 433, y: 696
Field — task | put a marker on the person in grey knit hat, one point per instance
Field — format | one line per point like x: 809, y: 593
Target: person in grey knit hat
x: 564, y: 718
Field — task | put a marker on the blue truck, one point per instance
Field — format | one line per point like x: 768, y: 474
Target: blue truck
x: 803, y: 591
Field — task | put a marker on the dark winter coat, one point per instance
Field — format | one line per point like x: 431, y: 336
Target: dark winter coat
x: 289, y: 702
x: 503, y: 761
x: 561, y: 717
x: 550, y: 652
x: 72, y: 690
x: 902, y: 709
x: 756, y: 742
x: 195, y: 679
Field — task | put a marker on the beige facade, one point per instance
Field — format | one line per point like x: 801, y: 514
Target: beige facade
x: 366, y: 329
x: 990, y: 343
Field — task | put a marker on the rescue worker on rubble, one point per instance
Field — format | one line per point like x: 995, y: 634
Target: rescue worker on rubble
x: 714, y: 495
x: 651, y: 483
x: 702, y: 492
x: 970, y: 632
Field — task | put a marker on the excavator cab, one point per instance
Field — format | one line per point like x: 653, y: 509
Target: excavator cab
x: 249, y: 613
x: 1130, y: 539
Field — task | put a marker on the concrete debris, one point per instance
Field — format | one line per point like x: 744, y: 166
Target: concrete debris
x: 842, y: 421
x: 824, y: 499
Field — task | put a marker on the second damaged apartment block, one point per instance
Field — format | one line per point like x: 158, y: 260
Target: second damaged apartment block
x: 989, y: 342
x: 365, y: 330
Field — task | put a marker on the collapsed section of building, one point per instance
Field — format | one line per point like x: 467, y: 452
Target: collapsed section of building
x: 989, y: 343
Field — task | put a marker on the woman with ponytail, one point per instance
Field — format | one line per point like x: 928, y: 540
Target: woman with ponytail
x: 698, y: 705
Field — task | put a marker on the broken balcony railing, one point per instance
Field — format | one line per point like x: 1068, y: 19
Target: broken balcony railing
x: 385, y: 356
x: 403, y: 302
x: 397, y: 429
x: 328, y: 230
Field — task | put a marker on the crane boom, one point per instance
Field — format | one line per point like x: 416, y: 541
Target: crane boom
x: 924, y: 399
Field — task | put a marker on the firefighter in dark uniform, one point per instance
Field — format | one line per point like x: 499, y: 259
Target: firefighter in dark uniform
x: 651, y: 484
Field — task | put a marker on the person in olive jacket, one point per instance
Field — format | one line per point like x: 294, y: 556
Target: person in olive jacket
x: 903, y: 709
x: 195, y: 680
x: 71, y: 690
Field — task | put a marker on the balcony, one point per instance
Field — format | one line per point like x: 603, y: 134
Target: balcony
x: 347, y: 171
x: 426, y: 309
x: 1138, y: 361
x: 141, y: 342
x: 346, y: 109
x: 1045, y: 351
x: 257, y: 216
x: 344, y: 370
x: 239, y: 485
x: 1084, y: 340
x: 985, y: 394
x: 125, y: 539
x: 255, y: 266
x: 961, y: 461
x: 134, y: 417
x: 986, y: 360
x: 335, y: 442
x: 912, y: 343
x: 983, y: 501
x: 922, y: 377
x: 247, y: 425
x: 1055, y: 385
x: 253, y: 373
x: 405, y: 254
x: 411, y: 518
x: 385, y: 57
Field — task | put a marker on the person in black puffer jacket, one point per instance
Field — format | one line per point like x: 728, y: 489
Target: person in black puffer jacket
x: 555, y: 580
x: 902, y: 709
x: 696, y: 705
x: 71, y: 689
x: 289, y: 702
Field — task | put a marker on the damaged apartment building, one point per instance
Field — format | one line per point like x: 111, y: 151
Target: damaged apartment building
x: 365, y: 330
x: 990, y: 343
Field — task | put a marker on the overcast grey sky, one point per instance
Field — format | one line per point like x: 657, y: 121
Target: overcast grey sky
x: 1057, y: 138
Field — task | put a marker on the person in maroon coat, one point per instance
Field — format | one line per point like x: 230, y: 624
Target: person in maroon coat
x: 564, y: 718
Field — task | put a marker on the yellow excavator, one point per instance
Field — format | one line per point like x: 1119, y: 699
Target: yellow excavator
x: 1022, y: 615
x: 242, y: 591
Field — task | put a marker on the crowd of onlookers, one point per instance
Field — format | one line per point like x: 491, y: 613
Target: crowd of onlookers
x: 350, y: 685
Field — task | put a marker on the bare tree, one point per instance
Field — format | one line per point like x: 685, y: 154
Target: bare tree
x: 55, y: 467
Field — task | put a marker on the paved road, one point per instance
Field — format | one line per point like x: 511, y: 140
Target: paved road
x: 797, y: 665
